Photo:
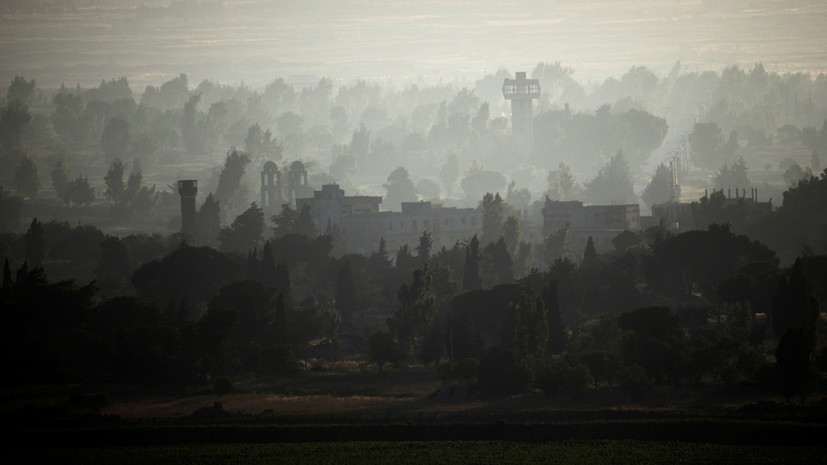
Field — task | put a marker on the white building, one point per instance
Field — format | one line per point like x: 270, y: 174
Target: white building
x: 362, y: 226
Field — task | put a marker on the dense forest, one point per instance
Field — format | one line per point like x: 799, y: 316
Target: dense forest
x: 99, y: 285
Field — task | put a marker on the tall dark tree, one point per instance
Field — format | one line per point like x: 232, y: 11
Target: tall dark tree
x: 116, y: 138
x: 511, y: 234
x: 80, y: 192
x: 20, y: 91
x: 662, y: 188
x: 191, y: 273
x: 346, y: 303
x: 705, y: 142
x: 793, y: 361
x: 10, y: 207
x: 556, y: 330
x: 379, y: 261
x: 423, y: 250
x: 245, y: 232
x: 400, y: 189
x: 229, y: 181
x: 191, y: 127
x: 471, y: 270
x: 590, y: 254
x: 35, y: 244
x: 70, y: 120
x: 26, y: 180
x: 613, y: 183
x: 115, y: 186
x: 60, y: 179
x: 496, y: 265
x: 281, y: 280
x: 208, y: 222
x: 417, y: 309
x: 493, y: 215
x: 14, y: 119
x: 531, y: 331
x: 557, y: 245
x: 304, y: 223
x: 285, y: 222
x: 795, y: 306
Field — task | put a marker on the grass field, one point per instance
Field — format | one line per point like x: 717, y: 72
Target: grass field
x: 455, y: 452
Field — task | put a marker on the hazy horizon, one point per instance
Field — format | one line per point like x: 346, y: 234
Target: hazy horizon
x: 400, y: 42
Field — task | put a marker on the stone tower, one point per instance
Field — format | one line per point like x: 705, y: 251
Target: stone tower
x: 187, y: 188
x: 522, y: 92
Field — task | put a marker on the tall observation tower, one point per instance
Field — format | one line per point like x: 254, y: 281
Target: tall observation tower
x: 187, y: 188
x: 521, y: 92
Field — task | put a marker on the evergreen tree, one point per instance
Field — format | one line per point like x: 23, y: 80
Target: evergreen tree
x: 557, y: 245
x: 423, y: 250
x: 281, y: 280
x: 400, y: 189
x: 80, y: 192
x: 556, y: 330
x: 471, y: 270
x: 417, y: 309
x: 35, y: 244
x: 496, y: 266
x: 191, y: 128
x: 267, y: 266
x: 511, y: 234
x: 531, y: 331
x: 26, y: 180
x: 304, y: 223
x: 115, y: 186
x: 20, y: 91
x: 562, y: 185
x: 10, y: 207
x: 613, y: 183
x: 285, y: 222
x: 590, y: 259
x: 793, y: 361
x: 795, y: 306
x: 60, y: 179
x: 14, y: 120
x: 660, y: 189
x: 229, y: 191
x: 346, y: 303
x: 379, y: 261
x: 116, y: 138
x: 245, y: 231
x: 493, y: 212
x: 705, y: 142
x: 208, y: 222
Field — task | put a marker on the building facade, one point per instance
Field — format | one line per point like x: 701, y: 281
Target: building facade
x: 601, y: 222
x: 361, y: 226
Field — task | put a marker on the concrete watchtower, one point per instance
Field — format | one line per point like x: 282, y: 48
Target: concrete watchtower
x: 522, y: 92
x: 187, y: 188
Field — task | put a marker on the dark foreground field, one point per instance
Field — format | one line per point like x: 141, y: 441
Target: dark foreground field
x: 417, y: 452
x: 398, y: 417
x: 754, y: 435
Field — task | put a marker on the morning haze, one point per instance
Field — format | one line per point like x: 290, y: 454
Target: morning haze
x: 404, y: 231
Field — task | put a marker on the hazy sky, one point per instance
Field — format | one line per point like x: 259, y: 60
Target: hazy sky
x: 255, y: 41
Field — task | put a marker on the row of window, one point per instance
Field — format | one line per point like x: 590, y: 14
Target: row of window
x: 427, y: 223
